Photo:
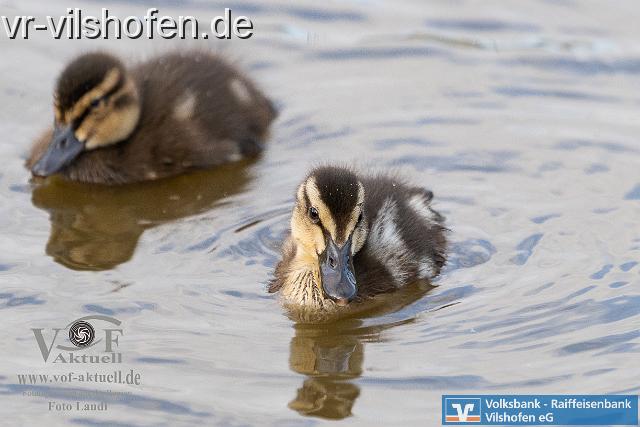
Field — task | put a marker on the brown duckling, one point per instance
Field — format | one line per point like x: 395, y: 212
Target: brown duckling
x: 163, y: 117
x: 355, y: 236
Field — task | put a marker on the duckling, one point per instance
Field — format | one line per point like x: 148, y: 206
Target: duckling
x: 355, y: 236
x: 163, y: 117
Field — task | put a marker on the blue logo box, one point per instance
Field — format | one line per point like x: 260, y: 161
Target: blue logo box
x: 545, y: 409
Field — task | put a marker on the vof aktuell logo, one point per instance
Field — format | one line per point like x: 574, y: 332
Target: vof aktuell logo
x: 540, y: 409
x: 88, y: 346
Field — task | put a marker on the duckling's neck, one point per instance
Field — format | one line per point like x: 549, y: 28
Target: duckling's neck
x: 302, y: 284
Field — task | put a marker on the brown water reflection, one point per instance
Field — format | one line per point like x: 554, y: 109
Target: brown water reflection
x: 331, y: 355
x: 95, y: 227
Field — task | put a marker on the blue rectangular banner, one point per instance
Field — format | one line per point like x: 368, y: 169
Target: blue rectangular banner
x: 546, y: 409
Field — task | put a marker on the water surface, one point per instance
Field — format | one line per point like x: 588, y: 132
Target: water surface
x: 523, y: 121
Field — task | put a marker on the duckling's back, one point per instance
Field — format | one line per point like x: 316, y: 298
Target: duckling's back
x: 207, y: 97
x: 406, y: 240
x: 197, y: 112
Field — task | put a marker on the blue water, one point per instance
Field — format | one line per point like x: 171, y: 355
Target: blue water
x: 522, y: 120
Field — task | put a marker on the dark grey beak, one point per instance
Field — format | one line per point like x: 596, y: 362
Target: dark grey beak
x: 63, y: 148
x: 336, y: 268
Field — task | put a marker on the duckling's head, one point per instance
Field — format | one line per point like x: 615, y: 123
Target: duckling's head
x: 328, y: 227
x: 96, y: 104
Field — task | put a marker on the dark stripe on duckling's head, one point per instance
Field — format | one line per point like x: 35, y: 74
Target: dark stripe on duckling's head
x: 82, y: 75
x: 97, y: 99
x: 104, y: 90
x: 340, y: 196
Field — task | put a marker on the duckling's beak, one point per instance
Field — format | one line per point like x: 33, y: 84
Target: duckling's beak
x: 336, y: 269
x: 63, y: 148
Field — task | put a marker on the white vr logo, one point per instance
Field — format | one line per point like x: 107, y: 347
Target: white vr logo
x: 462, y: 414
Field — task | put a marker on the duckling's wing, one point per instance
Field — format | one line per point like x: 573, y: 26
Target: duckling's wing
x: 227, y: 117
x: 406, y: 235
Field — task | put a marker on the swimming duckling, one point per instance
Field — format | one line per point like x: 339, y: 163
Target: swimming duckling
x: 355, y: 236
x: 166, y: 116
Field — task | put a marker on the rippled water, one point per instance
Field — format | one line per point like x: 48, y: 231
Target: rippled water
x: 522, y: 120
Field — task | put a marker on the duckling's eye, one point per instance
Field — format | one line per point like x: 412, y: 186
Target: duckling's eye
x: 95, y: 102
x: 313, y: 214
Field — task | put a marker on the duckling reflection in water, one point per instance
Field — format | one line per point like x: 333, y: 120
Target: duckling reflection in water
x: 164, y: 117
x: 353, y: 237
x: 329, y: 360
x: 97, y: 227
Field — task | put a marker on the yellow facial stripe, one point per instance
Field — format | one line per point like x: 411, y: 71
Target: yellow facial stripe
x: 88, y: 125
x: 353, y: 219
x: 316, y: 201
x: 82, y: 133
x: 108, y: 83
x: 106, y: 124
x: 56, y: 108
x: 307, y: 235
